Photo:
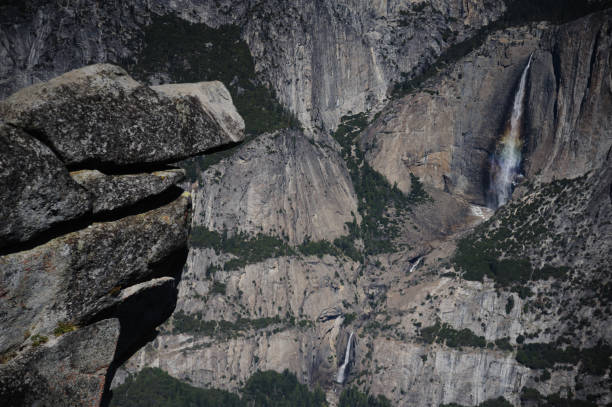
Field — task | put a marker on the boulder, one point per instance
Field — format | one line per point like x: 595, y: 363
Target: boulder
x: 98, y: 116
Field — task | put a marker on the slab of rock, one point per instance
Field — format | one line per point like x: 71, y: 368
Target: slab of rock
x: 37, y: 191
x: 68, y: 371
x: 78, y: 275
x: 215, y: 99
x: 99, y: 115
x: 110, y: 192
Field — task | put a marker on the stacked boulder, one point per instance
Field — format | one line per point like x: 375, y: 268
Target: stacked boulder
x: 93, y: 228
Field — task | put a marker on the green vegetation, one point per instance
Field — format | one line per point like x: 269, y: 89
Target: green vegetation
x: 64, y: 328
x: 500, y: 247
x: 504, y: 344
x: 349, y: 318
x: 38, y: 340
x: 377, y: 198
x: 153, y: 387
x: 272, y: 389
x: 247, y: 249
x: 509, y: 304
x: 190, y: 52
x: 352, y: 397
x: 255, y: 249
x: 594, y: 361
x: 183, y: 323
x: 218, y: 288
x: 445, y: 334
x: 498, y: 402
x: 519, y: 12
x: 531, y: 396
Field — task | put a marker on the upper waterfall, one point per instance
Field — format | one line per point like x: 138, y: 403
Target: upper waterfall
x: 506, y: 161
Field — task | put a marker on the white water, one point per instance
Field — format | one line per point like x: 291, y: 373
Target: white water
x: 481, y: 212
x: 347, y: 358
x: 506, y: 163
x: 415, y: 265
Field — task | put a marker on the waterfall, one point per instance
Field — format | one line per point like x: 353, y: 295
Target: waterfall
x: 506, y: 161
x: 347, y: 358
x: 415, y: 264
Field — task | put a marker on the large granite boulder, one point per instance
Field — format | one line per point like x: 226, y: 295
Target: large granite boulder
x: 100, y: 116
x: 90, y: 259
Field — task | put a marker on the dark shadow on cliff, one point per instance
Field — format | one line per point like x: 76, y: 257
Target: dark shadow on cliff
x: 141, y: 314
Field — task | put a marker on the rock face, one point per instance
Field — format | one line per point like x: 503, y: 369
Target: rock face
x: 94, y: 258
x: 426, y: 330
x: 282, y: 184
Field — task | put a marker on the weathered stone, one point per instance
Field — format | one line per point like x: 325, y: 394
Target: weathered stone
x: 110, y: 192
x: 570, y: 99
x: 99, y: 116
x: 65, y: 371
x: 215, y: 99
x: 36, y: 191
x: 78, y: 275
x: 282, y: 184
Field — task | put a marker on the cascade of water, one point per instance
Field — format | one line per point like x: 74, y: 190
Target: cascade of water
x: 505, y: 163
x: 415, y: 265
x: 347, y: 358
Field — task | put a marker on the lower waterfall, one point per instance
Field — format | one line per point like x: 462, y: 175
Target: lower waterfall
x: 341, y: 377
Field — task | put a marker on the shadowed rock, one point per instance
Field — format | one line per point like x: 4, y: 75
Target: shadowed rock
x: 37, y: 191
x: 110, y: 192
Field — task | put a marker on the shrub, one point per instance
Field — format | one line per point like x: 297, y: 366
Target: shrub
x: 445, y: 334
x: 63, y: 328
x: 352, y: 397
x: 349, y: 318
x: 504, y: 344
x: 218, y: 288
x: 38, y: 340
x: 509, y: 304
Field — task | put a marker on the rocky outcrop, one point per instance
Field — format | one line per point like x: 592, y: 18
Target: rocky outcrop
x: 110, y: 192
x: 99, y: 105
x: 283, y: 184
x: 91, y: 258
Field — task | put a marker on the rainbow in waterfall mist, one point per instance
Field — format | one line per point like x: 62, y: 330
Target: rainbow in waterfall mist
x: 506, y: 161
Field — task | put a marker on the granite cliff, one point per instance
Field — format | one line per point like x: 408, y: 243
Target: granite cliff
x: 365, y: 226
